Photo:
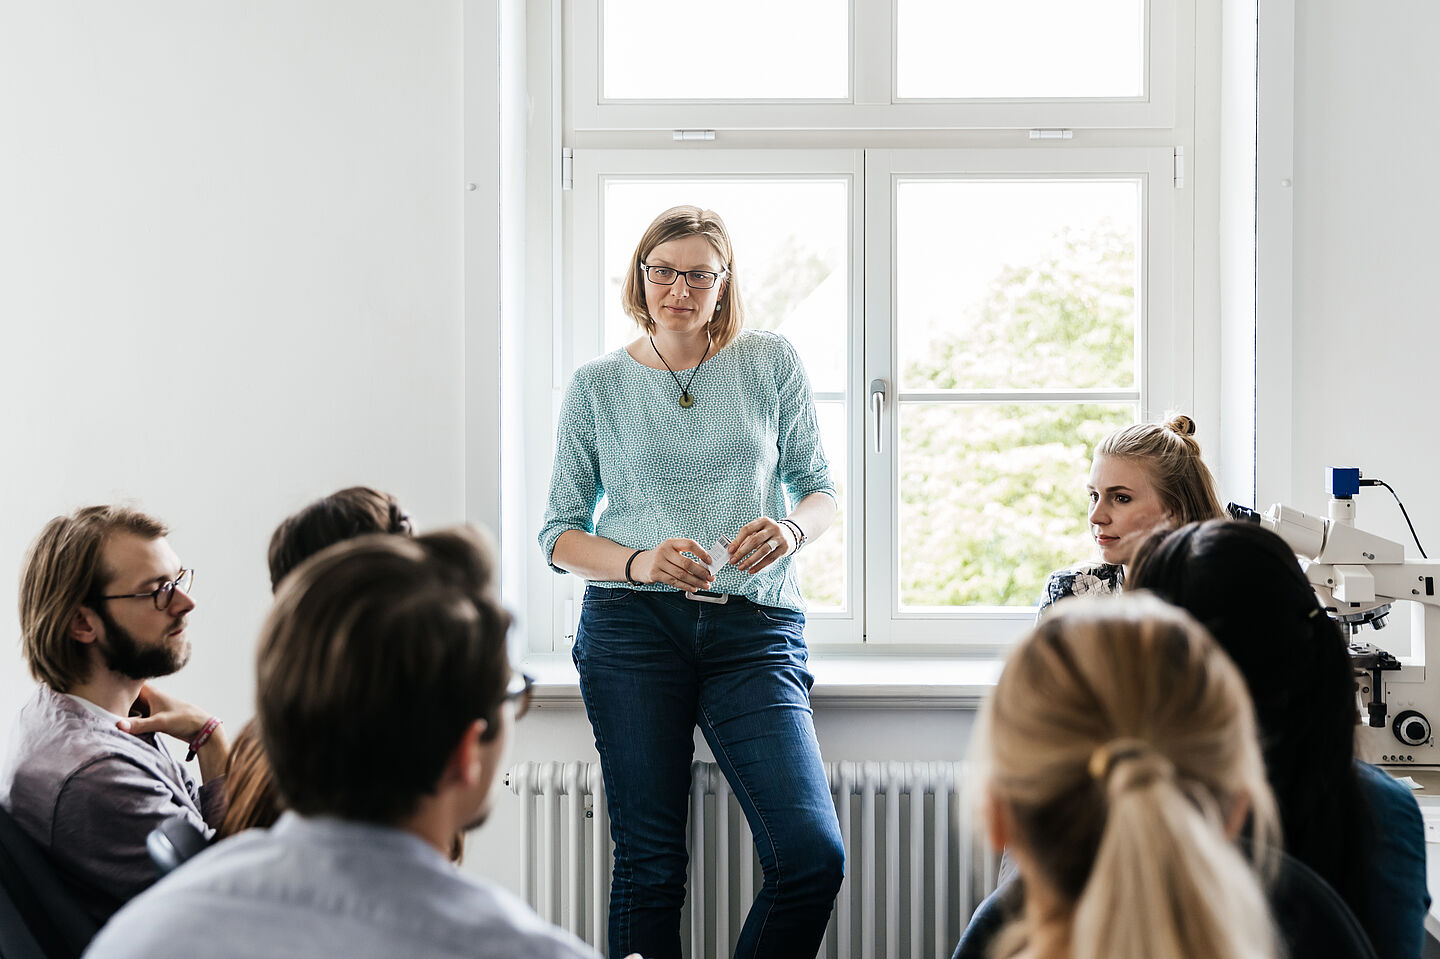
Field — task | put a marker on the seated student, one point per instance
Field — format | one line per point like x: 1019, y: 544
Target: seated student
x: 1352, y: 823
x: 354, y: 511
x: 384, y: 701
x: 1121, y: 764
x: 104, y: 603
x: 1143, y: 476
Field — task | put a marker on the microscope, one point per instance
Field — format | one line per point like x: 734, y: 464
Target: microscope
x: 1358, y: 576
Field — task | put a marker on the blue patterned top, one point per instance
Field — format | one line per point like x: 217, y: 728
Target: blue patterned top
x: 655, y: 471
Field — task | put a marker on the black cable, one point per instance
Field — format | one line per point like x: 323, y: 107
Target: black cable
x: 1380, y: 482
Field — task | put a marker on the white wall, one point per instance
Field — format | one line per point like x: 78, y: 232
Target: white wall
x: 1367, y: 201
x: 230, y: 281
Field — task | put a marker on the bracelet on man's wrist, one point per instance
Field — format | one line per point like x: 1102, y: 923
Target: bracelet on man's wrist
x: 202, y: 737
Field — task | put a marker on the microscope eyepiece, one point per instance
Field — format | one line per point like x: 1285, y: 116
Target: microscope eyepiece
x: 1244, y: 513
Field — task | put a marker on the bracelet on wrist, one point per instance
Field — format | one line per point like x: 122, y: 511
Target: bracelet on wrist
x: 800, y: 536
x: 202, y: 737
x: 628, y: 578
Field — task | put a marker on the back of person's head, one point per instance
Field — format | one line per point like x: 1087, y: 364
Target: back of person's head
x: 1245, y: 585
x: 1170, y: 455
x: 64, y: 570
x: 251, y: 797
x: 342, y: 515
x: 1120, y: 742
x: 377, y: 655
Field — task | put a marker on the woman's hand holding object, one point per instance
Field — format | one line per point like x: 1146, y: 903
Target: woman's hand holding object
x: 668, y: 564
x: 759, y: 543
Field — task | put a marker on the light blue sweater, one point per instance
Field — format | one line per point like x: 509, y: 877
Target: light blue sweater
x: 655, y: 471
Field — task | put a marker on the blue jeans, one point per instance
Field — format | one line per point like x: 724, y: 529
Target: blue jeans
x: 652, y: 667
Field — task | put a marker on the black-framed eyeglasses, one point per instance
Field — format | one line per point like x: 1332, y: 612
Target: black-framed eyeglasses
x: 164, y: 593
x: 519, y: 691
x: 694, y: 279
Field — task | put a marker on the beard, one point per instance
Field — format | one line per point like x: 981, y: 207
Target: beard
x: 124, y: 654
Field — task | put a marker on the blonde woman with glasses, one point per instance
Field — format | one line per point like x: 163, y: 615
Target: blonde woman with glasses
x: 688, y: 472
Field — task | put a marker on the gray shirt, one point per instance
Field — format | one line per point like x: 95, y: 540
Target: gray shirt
x: 89, y: 794
x: 328, y: 887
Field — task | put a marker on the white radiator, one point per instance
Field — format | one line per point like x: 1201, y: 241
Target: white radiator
x: 915, y: 865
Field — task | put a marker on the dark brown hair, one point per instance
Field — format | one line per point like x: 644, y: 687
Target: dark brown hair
x: 377, y: 655
x: 350, y: 512
x: 63, y: 570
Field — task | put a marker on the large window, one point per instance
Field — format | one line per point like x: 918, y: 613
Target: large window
x: 973, y: 318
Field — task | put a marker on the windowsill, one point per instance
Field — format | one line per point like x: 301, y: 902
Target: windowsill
x: 875, y: 682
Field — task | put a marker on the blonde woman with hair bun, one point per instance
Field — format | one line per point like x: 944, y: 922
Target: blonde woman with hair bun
x: 1142, y: 477
x: 1121, y: 761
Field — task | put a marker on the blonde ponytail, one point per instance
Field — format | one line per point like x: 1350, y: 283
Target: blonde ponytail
x: 1161, y: 849
x: 1120, y: 738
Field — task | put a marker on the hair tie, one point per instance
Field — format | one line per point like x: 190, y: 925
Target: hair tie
x: 1314, y: 612
x: 1105, y: 757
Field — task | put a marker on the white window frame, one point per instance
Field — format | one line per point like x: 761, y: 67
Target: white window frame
x: 1165, y: 373
x: 620, y: 137
x: 871, y: 103
x: 872, y: 613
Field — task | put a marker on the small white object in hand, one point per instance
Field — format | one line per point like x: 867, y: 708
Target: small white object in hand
x: 719, y: 556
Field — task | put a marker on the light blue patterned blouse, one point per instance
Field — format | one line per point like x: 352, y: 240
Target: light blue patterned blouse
x: 656, y: 471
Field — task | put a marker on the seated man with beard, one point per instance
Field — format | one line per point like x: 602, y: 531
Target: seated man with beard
x: 103, y: 606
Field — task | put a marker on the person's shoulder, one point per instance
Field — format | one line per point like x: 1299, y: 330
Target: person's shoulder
x: 163, y: 916
x: 71, y: 743
x: 502, y: 918
x: 762, y: 342
x: 1385, y: 791
x: 1084, y: 579
x: 604, y: 365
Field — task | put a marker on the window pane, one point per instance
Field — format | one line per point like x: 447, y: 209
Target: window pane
x: 1038, y: 290
x: 992, y: 498
x: 792, y: 267
x: 1050, y: 49
x: 821, y: 564
x: 739, y: 50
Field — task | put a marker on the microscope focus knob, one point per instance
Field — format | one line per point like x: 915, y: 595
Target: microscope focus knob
x: 1412, y: 728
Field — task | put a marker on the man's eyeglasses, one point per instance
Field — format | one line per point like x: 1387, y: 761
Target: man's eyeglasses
x: 164, y: 593
x: 695, y: 279
x: 519, y: 691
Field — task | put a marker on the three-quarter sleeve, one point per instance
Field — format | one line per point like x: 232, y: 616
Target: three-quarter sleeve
x: 575, y: 487
x: 802, y: 465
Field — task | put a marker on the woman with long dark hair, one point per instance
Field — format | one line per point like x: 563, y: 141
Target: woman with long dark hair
x: 1349, y: 821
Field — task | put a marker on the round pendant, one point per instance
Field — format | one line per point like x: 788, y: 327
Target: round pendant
x: 686, y: 401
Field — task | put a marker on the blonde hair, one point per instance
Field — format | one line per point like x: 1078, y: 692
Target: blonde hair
x: 1170, y: 455
x: 676, y: 223
x: 1119, y: 737
x: 65, y: 570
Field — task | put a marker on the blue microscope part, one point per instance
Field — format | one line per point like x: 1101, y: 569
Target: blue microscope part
x: 1342, y: 482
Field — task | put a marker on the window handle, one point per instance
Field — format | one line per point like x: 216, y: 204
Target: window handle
x: 877, y: 404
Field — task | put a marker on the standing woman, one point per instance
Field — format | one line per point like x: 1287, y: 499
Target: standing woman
x: 698, y: 433
x: 1143, y: 476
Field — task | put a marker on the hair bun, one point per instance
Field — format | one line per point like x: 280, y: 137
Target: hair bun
x: 1182, y: 424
